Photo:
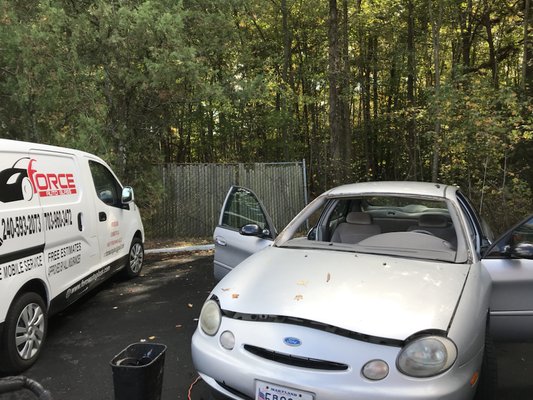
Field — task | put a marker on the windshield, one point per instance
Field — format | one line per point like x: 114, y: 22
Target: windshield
x: 406, y: 226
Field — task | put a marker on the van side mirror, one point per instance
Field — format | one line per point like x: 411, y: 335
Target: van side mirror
x: 127, y: 195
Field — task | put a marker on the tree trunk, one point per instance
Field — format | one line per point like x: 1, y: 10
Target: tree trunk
x: 285, y: 77
x: 334, y: 123
x: 466, y: 34
x: 411, y: 103
x: 527, y: 61
x: 493, y: 61
x: 367, y: 114
x: 344, y: 96
x: 435, y: 29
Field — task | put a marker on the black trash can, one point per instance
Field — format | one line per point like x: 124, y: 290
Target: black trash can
x: 138, y: 371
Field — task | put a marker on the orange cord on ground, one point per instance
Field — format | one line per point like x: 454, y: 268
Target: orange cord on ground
x: 190, y: 387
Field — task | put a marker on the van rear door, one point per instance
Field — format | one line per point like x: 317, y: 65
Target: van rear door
x: 21, y: 228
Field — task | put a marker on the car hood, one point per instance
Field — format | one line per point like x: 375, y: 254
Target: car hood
x: 375, y: 295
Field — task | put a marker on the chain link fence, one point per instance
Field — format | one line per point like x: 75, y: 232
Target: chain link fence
x: 193, y: 195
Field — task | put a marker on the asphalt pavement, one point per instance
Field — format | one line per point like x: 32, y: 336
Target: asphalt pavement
x: 162, y: 306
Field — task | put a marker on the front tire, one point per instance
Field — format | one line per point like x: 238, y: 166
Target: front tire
x: 135, y: 258
x: 26, y: 325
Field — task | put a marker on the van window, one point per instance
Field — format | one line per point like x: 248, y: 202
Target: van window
x: 107, y: 187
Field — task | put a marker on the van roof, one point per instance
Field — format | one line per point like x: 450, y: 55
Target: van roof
x: 18, y: 145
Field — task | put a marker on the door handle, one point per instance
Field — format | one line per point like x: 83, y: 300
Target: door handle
x: 220, y: 241
x: 102, y: 216
x: 80, y: 222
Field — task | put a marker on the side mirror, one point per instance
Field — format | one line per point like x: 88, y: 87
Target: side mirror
x: 254, y: 230
x: 522, y: 250
x: 127, y: 195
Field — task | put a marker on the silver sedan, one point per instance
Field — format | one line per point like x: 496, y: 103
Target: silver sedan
x: 386, y: 296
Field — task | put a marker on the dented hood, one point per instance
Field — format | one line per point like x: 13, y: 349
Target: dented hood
x: 374, y: 295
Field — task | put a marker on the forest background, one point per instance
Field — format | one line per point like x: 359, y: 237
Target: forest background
x: 426, y: 90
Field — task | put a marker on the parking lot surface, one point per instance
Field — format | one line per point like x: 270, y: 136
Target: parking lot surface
x: 161, y: 306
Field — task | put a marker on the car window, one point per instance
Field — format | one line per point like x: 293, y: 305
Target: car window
x: 243, y: 208
x: 338, y: 214
x: 418, y: 227
x: 524, y: 233
x: 107, y: 187
x: 518, y: 242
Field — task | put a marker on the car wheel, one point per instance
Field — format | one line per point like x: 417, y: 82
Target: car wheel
x: 488, y: 380
x: 135, y: 258
x: 24, y: 334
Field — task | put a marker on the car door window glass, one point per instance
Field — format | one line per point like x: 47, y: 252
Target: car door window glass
x: 518, y: 243
x: 524, y: 233
x: 107, y: 187
x: 243, y: 208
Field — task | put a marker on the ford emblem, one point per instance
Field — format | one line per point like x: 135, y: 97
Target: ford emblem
x: 292, y: 341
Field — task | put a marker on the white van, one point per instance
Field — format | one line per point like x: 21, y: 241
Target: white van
x: 66, y: 224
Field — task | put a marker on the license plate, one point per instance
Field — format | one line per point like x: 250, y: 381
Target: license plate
x: 268, y: 391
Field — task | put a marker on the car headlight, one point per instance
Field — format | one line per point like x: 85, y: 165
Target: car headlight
x: 427, y: 356
x: 210, y: 317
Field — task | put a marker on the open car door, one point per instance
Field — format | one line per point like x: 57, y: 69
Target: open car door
x: 244, y: 228
x: 510, y: 263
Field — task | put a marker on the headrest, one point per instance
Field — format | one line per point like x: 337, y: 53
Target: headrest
x: 432, y: 221
x: 360, y: 218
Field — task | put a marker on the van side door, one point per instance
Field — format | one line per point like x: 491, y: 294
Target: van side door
x: 70, y: 248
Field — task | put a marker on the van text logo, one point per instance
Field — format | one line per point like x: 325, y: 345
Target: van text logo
x: 51, y: 184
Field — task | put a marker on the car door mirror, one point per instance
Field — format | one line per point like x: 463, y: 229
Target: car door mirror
x: 517, y: 242
x: 522, y: 250
x: 254, y: 230
x: 127, y: 195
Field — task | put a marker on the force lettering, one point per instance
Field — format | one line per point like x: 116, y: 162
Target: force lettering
x: 51, y: 184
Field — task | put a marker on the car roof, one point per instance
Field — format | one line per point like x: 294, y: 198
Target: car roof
x: 393, y: 188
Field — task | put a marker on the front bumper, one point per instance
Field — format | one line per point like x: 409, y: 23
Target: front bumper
x: 234, y: 373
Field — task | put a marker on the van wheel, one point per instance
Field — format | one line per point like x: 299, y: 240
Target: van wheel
x: 25, y: 330
x: 135, y: 258
x: 488, y: 380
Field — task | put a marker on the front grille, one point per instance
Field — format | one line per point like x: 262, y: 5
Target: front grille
x: 295, y: 361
